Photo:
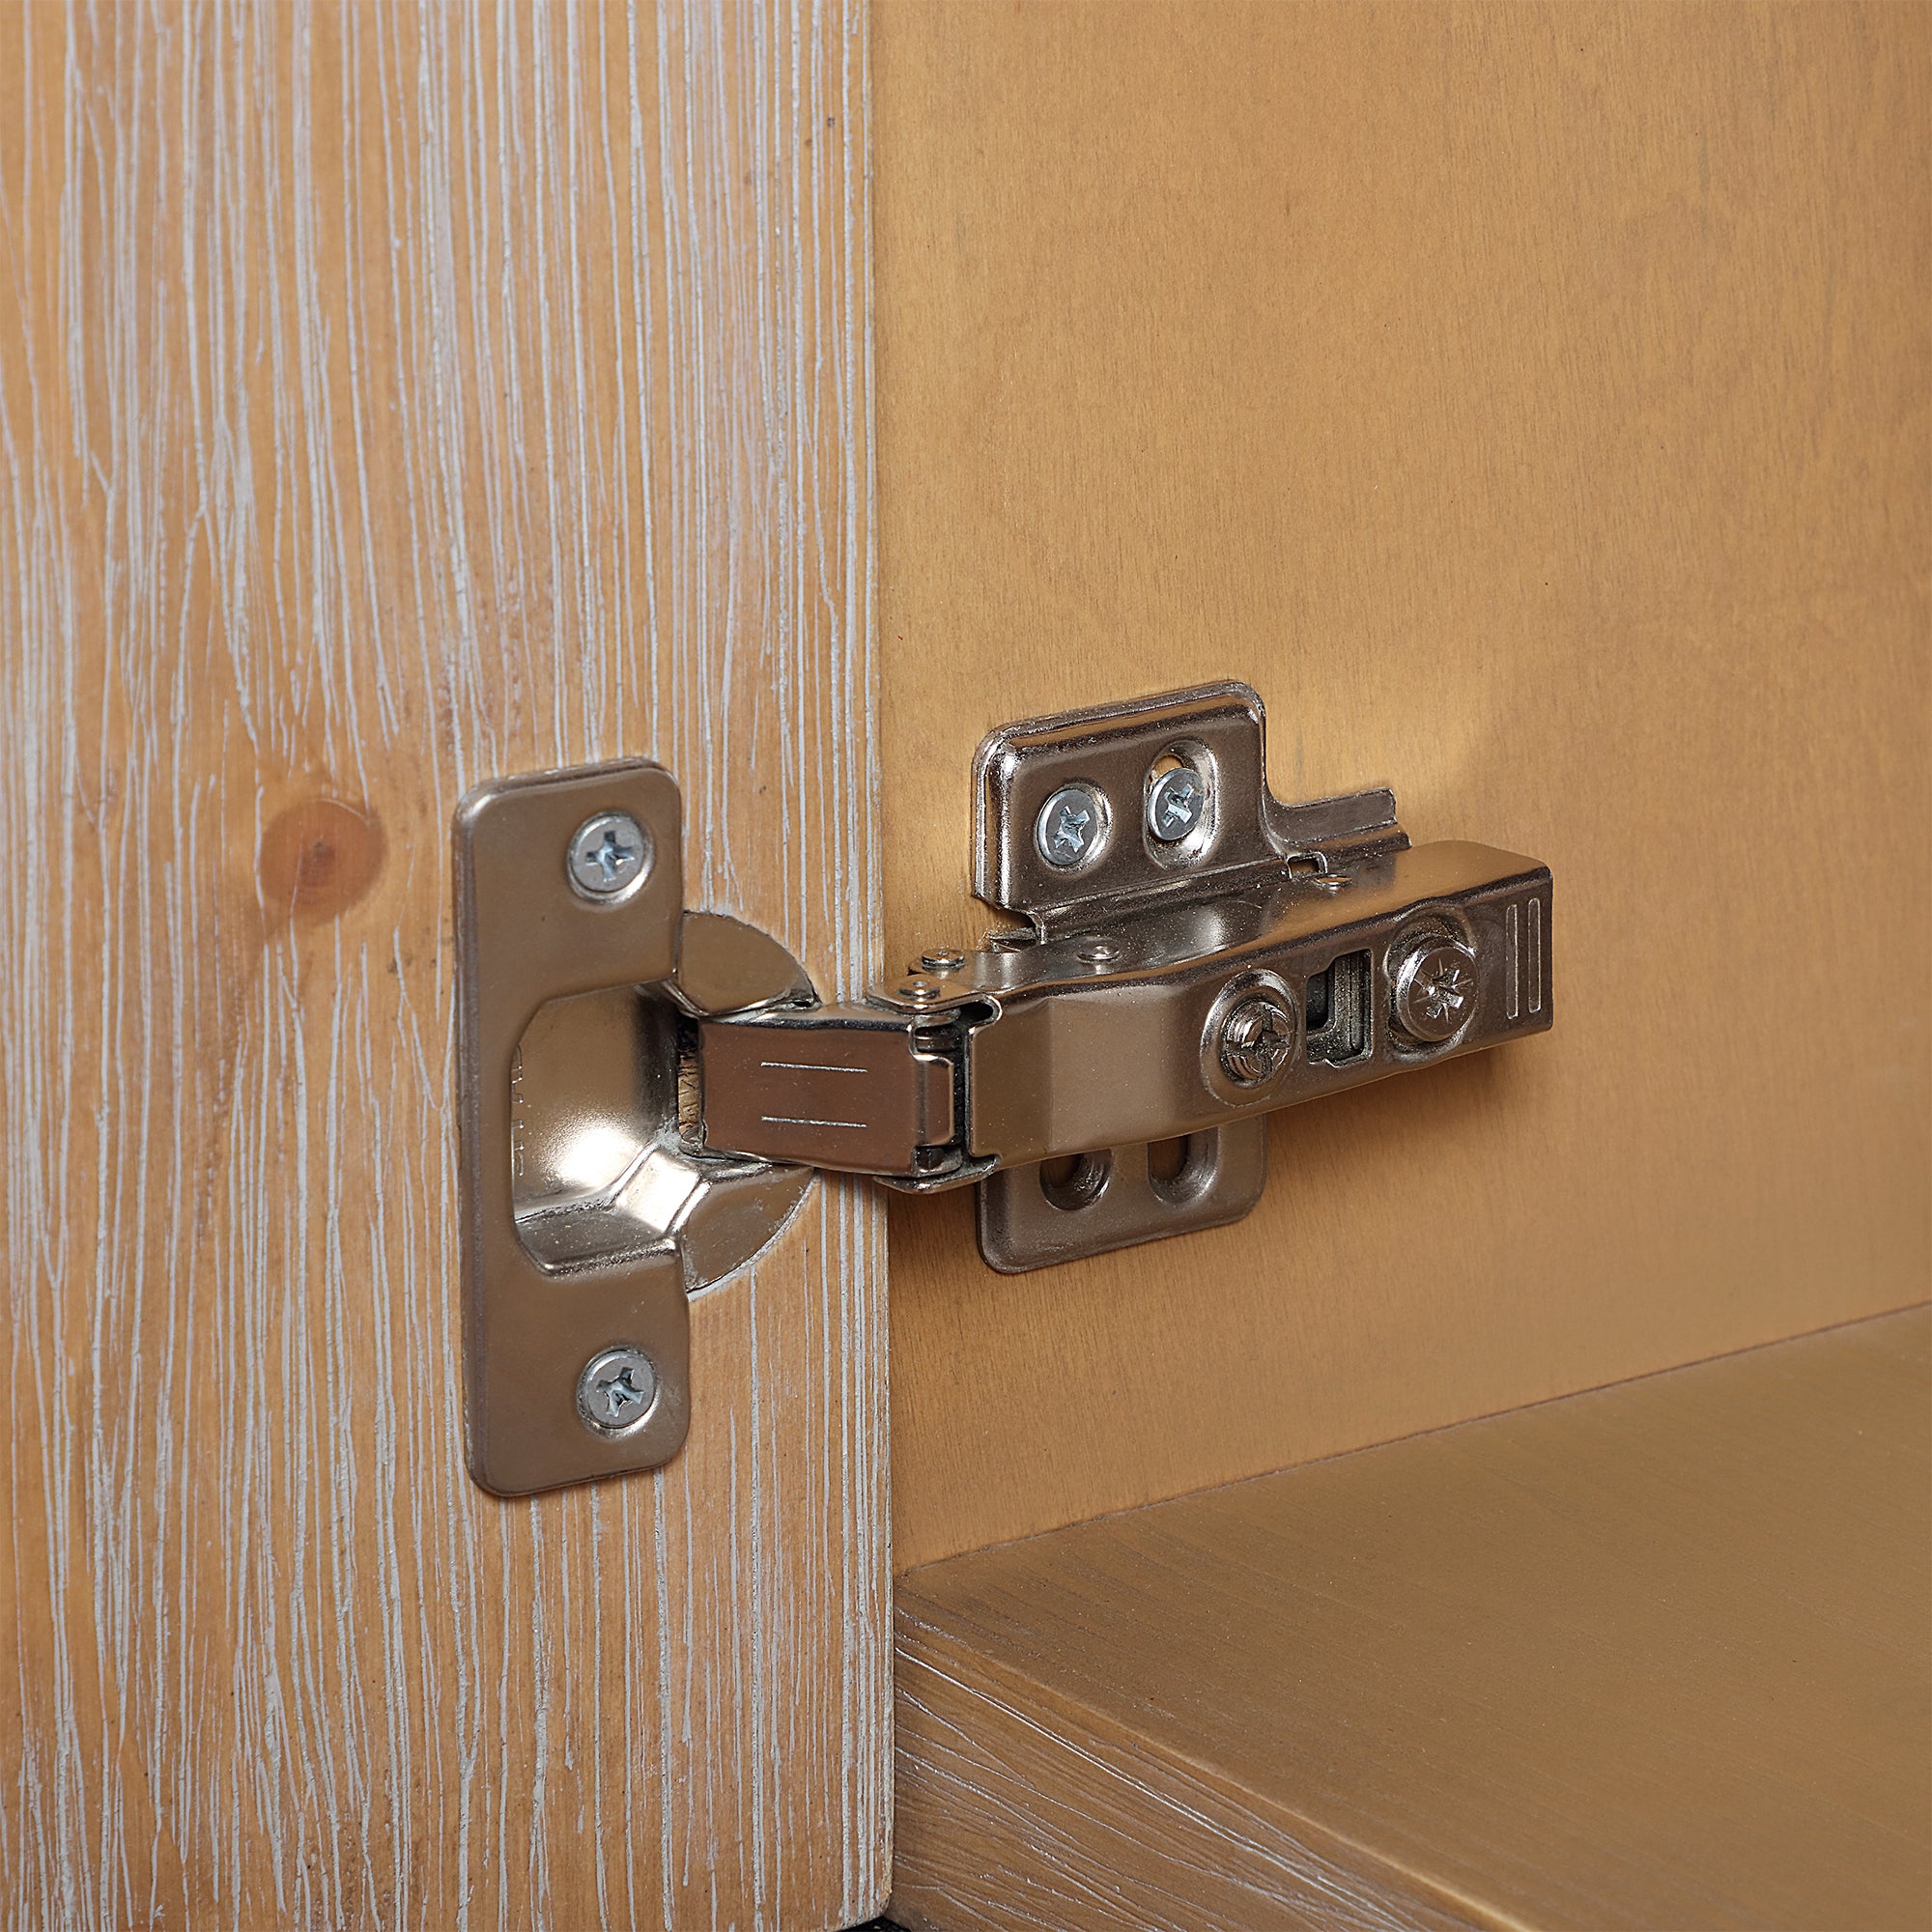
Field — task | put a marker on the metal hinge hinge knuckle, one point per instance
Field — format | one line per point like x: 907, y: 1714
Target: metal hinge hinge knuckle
x: 646, y: 1089
x: 855, y: 1089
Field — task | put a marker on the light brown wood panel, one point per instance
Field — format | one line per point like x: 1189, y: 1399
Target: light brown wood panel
x: 392, y: 397
x: 1656, y: 1656
x: 1532, y: 403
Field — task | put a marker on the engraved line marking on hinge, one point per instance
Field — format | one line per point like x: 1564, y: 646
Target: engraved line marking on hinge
x: 519, y: 1116
x: 805, y: 1120
x: 1536, y: 956
x: 808, y: 1066
x: 1513, y: 933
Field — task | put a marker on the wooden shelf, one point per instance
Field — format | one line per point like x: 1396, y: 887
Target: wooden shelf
x: 1654, y: 1656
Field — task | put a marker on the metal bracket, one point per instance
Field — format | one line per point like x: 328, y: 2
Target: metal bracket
x: 646, y: 1090
x: 591, y: 1211
x: 1196, y: 954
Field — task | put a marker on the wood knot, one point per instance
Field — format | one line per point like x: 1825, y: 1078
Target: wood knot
x: 318, y: 857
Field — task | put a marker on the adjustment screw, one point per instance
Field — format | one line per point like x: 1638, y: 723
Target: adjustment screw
x: 922, y: 989
x: 1177, y: 803
x: 1070, y: 828
x: 609, y: 854
x: 940, y: 959
x: 1257, y: 1037
x: 617, y: 1391
x: 1435, y: 991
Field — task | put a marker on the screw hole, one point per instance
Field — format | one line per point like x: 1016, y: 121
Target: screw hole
x: 1075, y: 1180
x: 1179, y: 1170
x: 1337, y: 1006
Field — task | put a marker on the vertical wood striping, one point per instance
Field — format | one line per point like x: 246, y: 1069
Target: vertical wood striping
x: 390, y: 397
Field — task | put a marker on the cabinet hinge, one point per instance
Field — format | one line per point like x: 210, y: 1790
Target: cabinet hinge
x: 646, y: 1089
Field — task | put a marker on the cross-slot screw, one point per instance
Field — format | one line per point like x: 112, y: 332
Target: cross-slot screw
x: 1435, y: 992
x: 1257, y: 1037
x: 617, y: 1391
x: 1071, y: 827
x: 1177, y: 803
x: 608, y: 855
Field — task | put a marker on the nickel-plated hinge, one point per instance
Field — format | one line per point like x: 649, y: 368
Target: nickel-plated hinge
x: 1195, y: 956
x: 646, y: 1089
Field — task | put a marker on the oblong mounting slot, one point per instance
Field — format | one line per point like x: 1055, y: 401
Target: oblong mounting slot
x: 1336, y: 1005
x: 1182, y: 1169
x: 1076, y: 1180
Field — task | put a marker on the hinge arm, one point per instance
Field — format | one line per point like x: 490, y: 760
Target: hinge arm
x: 1144, y: 1030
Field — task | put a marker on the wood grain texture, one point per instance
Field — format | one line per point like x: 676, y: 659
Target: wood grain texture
x: 1656, y: 1656
x: 1532, y: 402
x: 392, y: 397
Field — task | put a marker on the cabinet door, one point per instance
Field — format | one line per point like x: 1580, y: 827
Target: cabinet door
x: 392, y: 398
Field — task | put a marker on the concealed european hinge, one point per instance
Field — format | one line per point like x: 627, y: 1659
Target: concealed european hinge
x: 1196, y: 955
x: 646, y: 1090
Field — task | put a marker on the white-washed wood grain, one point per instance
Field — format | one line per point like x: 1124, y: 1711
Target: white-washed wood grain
x: 392, y: 396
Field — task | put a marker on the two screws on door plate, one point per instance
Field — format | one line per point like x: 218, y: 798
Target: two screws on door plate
x: 1072, y: 829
